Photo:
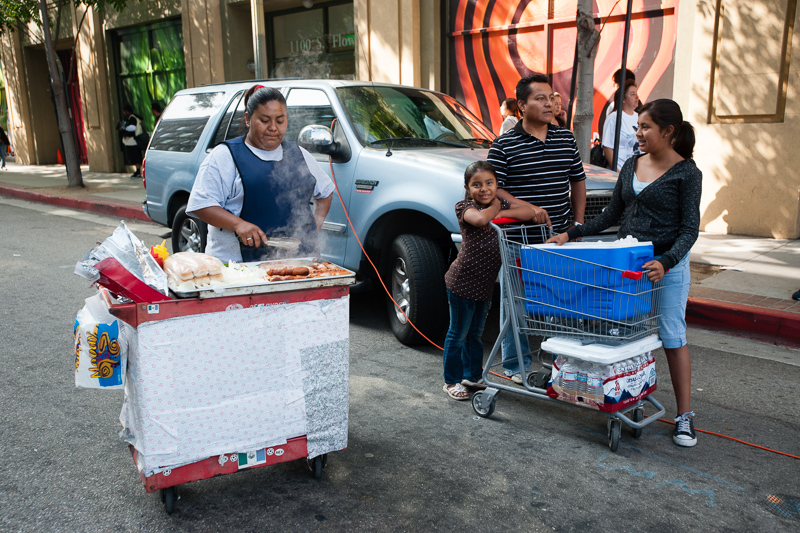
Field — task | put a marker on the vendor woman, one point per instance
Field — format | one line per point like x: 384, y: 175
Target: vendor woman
x: 259, y: 186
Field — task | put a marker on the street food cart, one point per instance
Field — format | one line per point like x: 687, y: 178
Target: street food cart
x: 234, y: 377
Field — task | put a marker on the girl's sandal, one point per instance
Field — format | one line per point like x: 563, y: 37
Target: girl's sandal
x: 456, y: 391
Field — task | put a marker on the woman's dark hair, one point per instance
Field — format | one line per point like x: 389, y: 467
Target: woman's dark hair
x: 511, y: 105
x: 155, y: 106
x: 524, y: 85
x: 128, y: 108
x: 258, y: 95
x: 664, y: 113
x: 617, y: 76
x: 628, y: 84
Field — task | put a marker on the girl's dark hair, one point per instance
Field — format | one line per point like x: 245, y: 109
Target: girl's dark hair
x: 664, y: 113
x: 128, y: 108
x: 476, y: 167
x: 258, y: 95
x: 511, y: 105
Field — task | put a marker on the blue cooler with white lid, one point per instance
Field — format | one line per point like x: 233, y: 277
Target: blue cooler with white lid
x: 587, y: 280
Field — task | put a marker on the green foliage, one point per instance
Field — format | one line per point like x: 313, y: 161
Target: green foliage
x: 15, y: 12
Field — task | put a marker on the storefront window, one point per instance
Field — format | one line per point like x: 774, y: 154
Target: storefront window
x: 150, y: 66
x: 313, y: 43
x: 3, y: 105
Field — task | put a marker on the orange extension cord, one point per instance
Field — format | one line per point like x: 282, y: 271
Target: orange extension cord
x: 347, y: 215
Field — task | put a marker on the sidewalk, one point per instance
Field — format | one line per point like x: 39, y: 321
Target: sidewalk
x: 741, y: 284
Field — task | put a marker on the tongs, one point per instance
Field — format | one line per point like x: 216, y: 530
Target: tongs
x: 283, y: 243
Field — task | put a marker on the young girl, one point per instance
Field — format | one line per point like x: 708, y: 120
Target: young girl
x: 661, y: 190
x: 470, y: 279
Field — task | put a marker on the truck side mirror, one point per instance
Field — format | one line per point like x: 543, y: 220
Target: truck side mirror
x: 315, y: 138
x: 321, y: 139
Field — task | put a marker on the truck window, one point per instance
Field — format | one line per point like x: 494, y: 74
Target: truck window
x: 307, y: 107
x: 226, y: 123
x: 184, y: 120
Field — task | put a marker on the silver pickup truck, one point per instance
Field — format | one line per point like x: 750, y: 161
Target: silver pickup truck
x: 398, y: 156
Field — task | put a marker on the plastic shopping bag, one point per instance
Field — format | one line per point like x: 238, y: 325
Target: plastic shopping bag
x: 101, y: 347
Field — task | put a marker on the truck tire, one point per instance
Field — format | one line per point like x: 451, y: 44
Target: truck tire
x: 415, y: 279
x: 188, y: 234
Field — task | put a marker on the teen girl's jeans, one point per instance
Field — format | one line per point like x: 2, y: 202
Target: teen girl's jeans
x: 463, y: 348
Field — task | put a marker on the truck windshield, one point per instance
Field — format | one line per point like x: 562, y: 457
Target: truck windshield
x: 400, y: 117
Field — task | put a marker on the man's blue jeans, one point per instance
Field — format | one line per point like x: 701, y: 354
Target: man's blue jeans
x: 509, y: 348
x: 463, y: 347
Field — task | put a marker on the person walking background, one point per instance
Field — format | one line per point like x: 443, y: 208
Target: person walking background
x: 628, y: 144
x: 538, y: 166
x: 659, y: 193
x: 510, y: 113
x: 470, y: 279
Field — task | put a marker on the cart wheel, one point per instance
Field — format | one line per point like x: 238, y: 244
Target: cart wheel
x: 482, y: 411
x: 168, y: 497
x: 638, y: 416
x: 613, y: 434
x: 317, y: 464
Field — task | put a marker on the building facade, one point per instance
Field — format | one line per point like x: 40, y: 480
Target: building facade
x: 728, y: 64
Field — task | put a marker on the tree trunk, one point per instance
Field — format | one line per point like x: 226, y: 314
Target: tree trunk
x: 74, y: 178
x: 588, y: 37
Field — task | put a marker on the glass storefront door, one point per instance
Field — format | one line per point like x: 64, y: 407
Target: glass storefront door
x: 313, y: 43
x: 150, y: 67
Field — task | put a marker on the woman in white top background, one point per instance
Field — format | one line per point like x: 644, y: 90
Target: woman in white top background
x: 511, y: 115
x: 630, y: 123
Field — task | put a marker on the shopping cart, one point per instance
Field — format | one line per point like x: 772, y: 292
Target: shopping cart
x: 595, y: 306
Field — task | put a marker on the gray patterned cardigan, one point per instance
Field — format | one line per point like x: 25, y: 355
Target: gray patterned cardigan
x: 666, y: 212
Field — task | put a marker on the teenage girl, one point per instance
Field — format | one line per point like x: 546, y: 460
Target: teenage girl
x: 470, y: 279
x: 659, y: 192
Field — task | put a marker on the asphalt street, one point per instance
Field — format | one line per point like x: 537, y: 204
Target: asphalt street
x: 416, y: 460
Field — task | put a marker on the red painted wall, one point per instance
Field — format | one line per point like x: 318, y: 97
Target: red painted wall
x: 493, y: 43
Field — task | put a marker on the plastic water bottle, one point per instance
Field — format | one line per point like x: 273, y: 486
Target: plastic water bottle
x: 558, y: 371
x: 569, y: 377
x: 581, y: 378
x: 594, y: 384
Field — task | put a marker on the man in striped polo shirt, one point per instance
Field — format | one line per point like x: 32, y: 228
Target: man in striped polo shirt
x: 538, y: 165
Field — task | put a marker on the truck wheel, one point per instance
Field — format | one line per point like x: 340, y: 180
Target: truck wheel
x: 416, y: 282
x: 188, y: 234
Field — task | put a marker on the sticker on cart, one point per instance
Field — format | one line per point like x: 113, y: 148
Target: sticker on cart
x: 270, y: 451
x: 152, y: 309
x: 234, y: 307
x: 278, y: 452
x: 253, y: 458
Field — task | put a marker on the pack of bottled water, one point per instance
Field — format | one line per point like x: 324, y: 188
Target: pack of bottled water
x: 600, y: 376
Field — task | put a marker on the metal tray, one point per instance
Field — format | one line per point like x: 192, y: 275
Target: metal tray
x: 274, y: 286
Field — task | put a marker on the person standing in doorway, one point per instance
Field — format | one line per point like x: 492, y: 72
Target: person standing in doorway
x: 4, y: 144
x: 537, y: 165
x: 129, y: 130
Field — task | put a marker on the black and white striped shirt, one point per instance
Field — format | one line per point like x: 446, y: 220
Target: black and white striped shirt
x: 539, y: 172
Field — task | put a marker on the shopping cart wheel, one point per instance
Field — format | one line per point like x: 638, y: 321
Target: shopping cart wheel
x: 614, y: 428
x: 317, y: 464
x: 638, y: 416
x: 168, y: 497
x: 480, y: 409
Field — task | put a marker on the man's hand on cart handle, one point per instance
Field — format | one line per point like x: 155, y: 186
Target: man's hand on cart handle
x: 250, y: 234
x: 654, y: 270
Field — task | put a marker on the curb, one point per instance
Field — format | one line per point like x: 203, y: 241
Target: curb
x: 117, y: 210
x: 768, y: 324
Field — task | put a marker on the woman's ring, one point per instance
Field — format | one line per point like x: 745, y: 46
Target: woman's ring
x: 249, y: 238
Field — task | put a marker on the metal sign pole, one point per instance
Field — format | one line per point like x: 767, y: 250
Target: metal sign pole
x: 618, y: 104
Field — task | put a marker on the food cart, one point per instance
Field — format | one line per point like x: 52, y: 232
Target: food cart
x: 232, y: 378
